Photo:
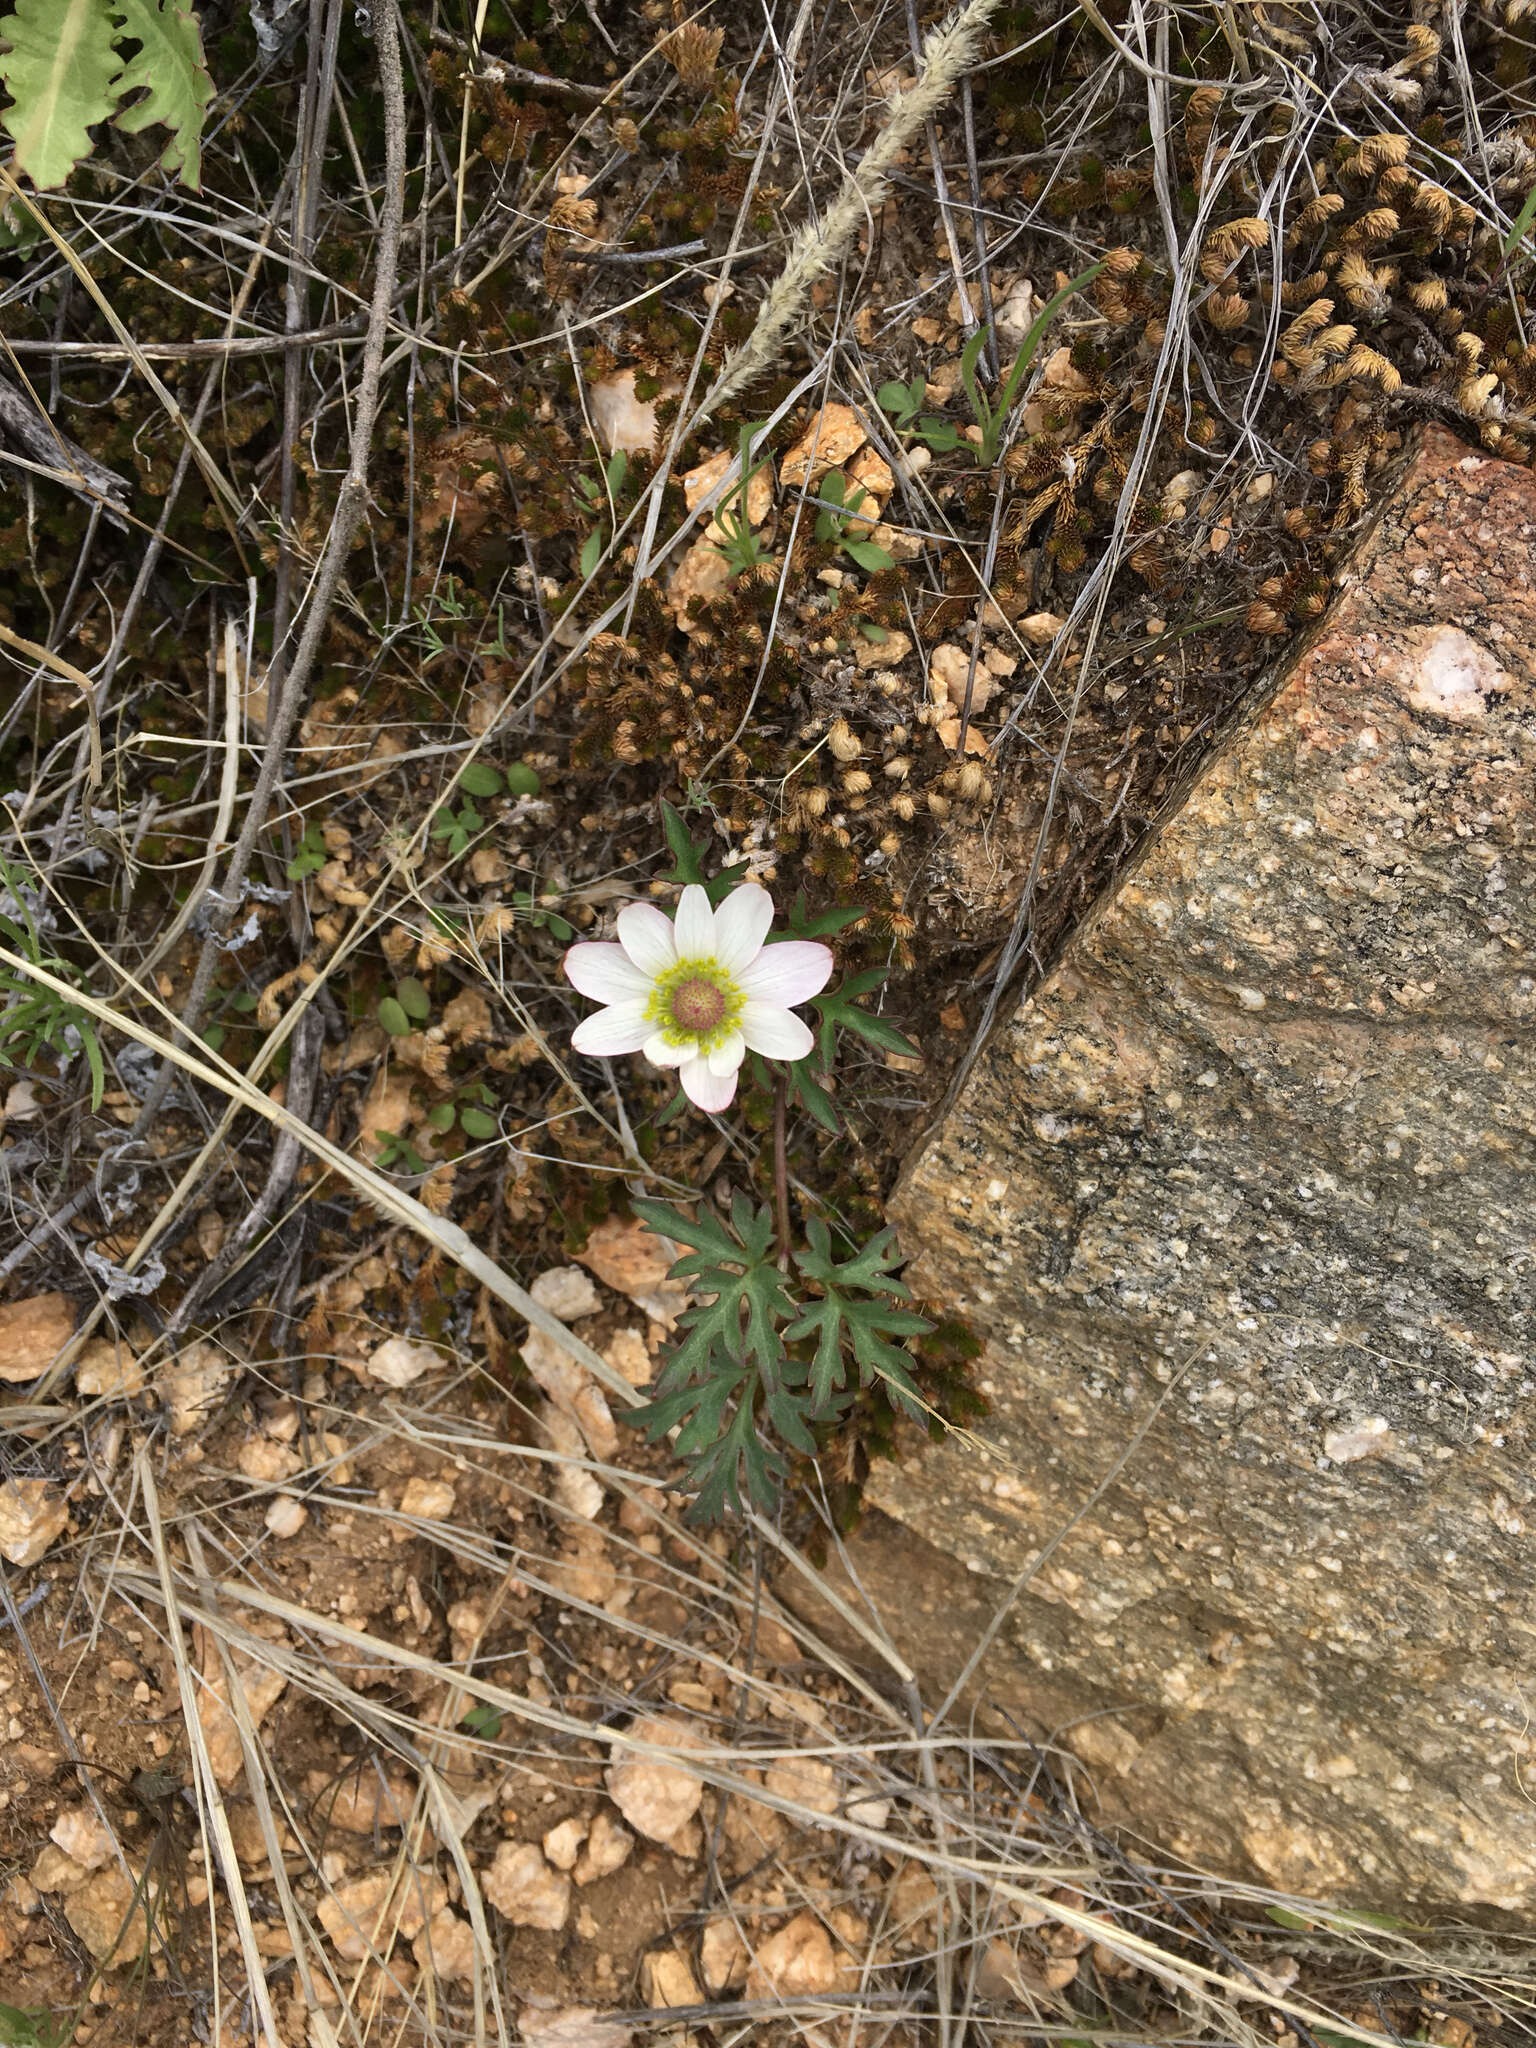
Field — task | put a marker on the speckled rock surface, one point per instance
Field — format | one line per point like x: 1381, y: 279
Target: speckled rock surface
x: 1252, y: 1171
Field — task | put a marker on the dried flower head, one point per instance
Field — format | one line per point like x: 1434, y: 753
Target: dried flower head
x: 693, y: 51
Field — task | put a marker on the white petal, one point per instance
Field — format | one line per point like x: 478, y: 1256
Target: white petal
x: 741, y: 925
x: 694, y: 928
x: 709, y: 1091
x: 661, y: 1054
x: 790, y: 972
x: 645, y: 933
x: 775, y: 1032
x: 623, y: 1028
x: 728, y: 1055
x: 605, y: 973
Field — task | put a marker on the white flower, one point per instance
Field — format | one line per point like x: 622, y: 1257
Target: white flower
x: 700, y: 991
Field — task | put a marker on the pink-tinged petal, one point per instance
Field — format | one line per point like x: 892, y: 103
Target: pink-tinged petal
x: 790, y: 972
x: 661, y: 1053
x: 713, y: 1092
x: 694, y: 926
x: 605, y: 973
x: 645, y: 933
x: 775, y: 1032
x: 623, y: 1028
x: 741, y: 925
x: 728, y: 1055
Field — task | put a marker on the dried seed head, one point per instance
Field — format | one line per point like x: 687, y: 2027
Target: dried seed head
x: 971, y: 784
x: 1377, y: 153
x: 855, y: 781
x: 1334, y: 341
x: 1225, y: 311
x: 626, y: 135
x: 1318, y: 211
x: 1432, y: 203
x: 814, y: 801
x: 693, y: 51
x: 899, y: 769
x: 1476, y: 392
x: 1467, y: 349
x: 1423, y: 42
x: 1297, y: 521
x: 1263, y: 618
x: 1428, y: 294
x: 890, y: 844
x: 1371, y: 364
x: 1232, y: 235
x: 1379, y: 225
x: 1204, y: 105
x: 904, y: 806
x: 937, y: 804
x: 1122, y: 264
x: 841, y: 742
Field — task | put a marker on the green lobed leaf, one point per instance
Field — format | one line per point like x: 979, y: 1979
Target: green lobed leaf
x: 62, y: 71
x: 169, y: 66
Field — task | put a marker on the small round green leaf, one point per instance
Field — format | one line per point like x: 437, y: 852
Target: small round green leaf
x: 440, y: 1116
x: 477, y: 1124
x: 481, y: 779
x: 523, y: 780
x: 393, y: 1018
x: 414, y: 999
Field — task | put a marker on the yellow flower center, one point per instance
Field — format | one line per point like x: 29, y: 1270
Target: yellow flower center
x: 696, y: 999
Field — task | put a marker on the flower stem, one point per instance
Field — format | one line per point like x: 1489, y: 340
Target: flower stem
x: 781, y: 1170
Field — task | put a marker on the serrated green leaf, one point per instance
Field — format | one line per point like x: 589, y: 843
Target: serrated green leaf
x: 64, y: 75
x: 413, y: 997
x: 940, y: 435
x: 481, y: 779
x: 169, y: 66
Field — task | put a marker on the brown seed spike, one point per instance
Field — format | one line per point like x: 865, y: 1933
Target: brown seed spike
x: 693, y: 51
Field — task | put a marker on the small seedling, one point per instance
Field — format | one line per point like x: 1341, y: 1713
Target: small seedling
x: 409, y: 1006
x: 541, y: 917
x: 444, y: 604
x: 469, y: 1109
x: 904, y: 403
x: 834, y: 520
x: 482, y: 1721
x: 35, y: 1019
x: 457, y: 828
x: 311, y: 856
x: 32, y: 2026
x: 901, y: 401
x: 597, y: 498
x: 395, y: 1150
x: 485, y: 779
x: 740, y: 546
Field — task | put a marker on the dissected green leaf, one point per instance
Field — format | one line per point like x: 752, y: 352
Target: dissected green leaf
x: 838, y: 1010
x: 65, y: 71
x: 64, y: 75
x: 169, y: 66
x: 844, y: 1324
